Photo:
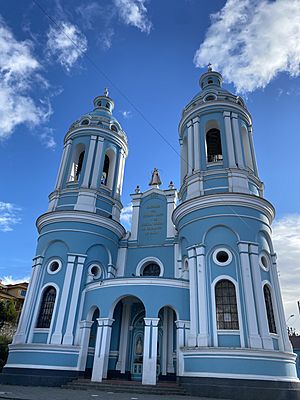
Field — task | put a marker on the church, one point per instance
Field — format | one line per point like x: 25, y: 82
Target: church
x: 191, y: 293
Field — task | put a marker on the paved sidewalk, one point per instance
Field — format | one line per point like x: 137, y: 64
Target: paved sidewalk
x: 49, y: 393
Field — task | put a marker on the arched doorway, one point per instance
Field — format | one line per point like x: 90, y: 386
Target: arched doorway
x: 91, y: 344
x: 127, y: 340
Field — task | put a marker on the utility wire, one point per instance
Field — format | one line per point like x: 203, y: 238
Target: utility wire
x: 124, y: 95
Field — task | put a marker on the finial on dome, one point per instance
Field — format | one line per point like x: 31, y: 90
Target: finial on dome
x: 209, y: 67
x: 106, y: 92
x: 155, y: 179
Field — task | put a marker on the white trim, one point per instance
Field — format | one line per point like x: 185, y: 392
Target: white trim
x: 239, y: 310
x: 79, y: 216
x: 40, y: 366
x: 225, y: 250
x: 59, y: 266
x: 225, y: 199
x: 267, y: 257
x: 275, y: 312
x: 148, y: 260
x: 139, y: 281
x: 37, y: 311
x: 239, y: 376
x: 43, y: 347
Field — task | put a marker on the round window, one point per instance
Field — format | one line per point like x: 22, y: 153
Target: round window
x: 151, y: 269
x: 264, y: 262
x: 222, y: 257
x: 85, y: 122
x: 54, y: 266
x: 95, y: 271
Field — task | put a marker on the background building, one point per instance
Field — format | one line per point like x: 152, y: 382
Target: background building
x: 191, y: 292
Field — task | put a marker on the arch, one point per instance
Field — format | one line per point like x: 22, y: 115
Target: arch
x: 246, y: 148
x: 120, y: 298
x: 172, y: 308
x: 52, y: 243
x: 167, y: 343
x: 263, y: 235
x: 104, y: 247
x: 77, y: 162
x: 268, y: 297
x: 206, y: 233
x: 91, y: 311
x: 109, y: 166
x: 148, y: 260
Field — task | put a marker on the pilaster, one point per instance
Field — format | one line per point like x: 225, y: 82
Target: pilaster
x: 88, y: 165
x: 85, y: 328
x: 267, y: 342
x: 95, y: 182
x: 102, y: 349
x: 196, y: 144
x: 121, y: 363
x: 202, y: 336
x: 68, y: 337
x: 237, y: 141
x: 62, y: 167
x: 190, y: 148
x: 57, y: 335
x: 150, y: 351
x: 194, y: 314
x: 254, y: 338
x: 229, y: 139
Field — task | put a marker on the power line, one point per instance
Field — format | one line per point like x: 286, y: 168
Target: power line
x: 124, y: 96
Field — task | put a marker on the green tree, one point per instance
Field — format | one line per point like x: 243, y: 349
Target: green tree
x: 4, y: 342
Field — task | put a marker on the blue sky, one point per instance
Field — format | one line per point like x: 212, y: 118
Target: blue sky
x: 153, y: 52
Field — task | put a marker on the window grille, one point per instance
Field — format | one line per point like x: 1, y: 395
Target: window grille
x: 226, y: 305
x: 46, y: 309
x: 269, y: 308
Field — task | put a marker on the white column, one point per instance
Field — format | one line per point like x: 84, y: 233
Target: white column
x: 102, y: 349
x: 177, y: 261
x: 278, y: 300
x: 202, y: 337
x: 68, y: 336
x: 121, y: 364
x: 192, y: 338
x: 182, y: 162
x: 150, y: 351
x: 88, y: 165
x: 20, y: 336
x: 171, y: 199
x: 237, y: 141
x: 121, y: 261
x: 95, y: 183
x: 136, y: 200
x: 254, y: 338
x: 190, y: 148
x: 250, y: 138
x: 57, y: 335
x: 267, y: 342
x: 229, y: 139
x: 120, y: 171
x: 164, y: 346
x: 170, y: 363
x: 63, y: 163
x: 85, y: 327
x: 182, y: 332
x: 196, y: 144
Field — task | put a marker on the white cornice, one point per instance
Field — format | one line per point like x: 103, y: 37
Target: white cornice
x: 138, y: 281
x: 80, y: 216
x: 224, y: 199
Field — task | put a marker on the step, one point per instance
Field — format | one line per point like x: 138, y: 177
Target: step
x: 126, y: 387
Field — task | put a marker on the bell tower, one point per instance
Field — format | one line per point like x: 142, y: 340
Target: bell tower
x: 216, y: 143
x: 90, y: 176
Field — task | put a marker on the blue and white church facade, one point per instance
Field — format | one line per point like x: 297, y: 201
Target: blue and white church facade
x: 190, y: 293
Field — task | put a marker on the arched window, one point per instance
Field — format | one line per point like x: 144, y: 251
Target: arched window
x: 114, y: 128
x: 213, y: 145
x: 226, y: 305
x: 46, y: 308
x: 269, y: 308
x: 105, y: 170
x: 77, y: 163
x: 151, y: 269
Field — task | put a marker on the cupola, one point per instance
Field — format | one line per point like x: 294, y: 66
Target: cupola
x: 104, y: 102
x: 210, y: 79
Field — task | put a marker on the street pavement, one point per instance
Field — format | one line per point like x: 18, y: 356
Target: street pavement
x: 50, y: 393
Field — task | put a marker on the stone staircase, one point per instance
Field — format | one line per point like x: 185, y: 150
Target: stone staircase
x: 121, y: 386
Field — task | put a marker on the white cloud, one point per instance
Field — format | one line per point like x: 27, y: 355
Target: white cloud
x: 134, y: 12
x: 9, y: 216
x: 67, y: 44
x: 126, y: 216
x: 251, y: 41
x: 9, y: 280
x: 18, y: 76
x: 126, y: 114
x: 47, y: 138
x: 286, y: 239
